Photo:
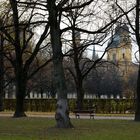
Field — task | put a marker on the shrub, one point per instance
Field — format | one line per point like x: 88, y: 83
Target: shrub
x: 102, y: 105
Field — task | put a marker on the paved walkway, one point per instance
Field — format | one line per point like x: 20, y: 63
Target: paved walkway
x: 51, y: 115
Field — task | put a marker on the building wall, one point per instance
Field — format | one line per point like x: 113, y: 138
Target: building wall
x: 121, y: 54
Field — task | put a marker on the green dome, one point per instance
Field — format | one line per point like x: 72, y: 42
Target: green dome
x: 116, y: 39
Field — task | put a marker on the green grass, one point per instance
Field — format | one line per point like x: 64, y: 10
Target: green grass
x: 42, y: 129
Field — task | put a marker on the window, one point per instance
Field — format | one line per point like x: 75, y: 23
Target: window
x: 114, y: 57
x: 125, y: 39
x: 123, y: 55
x: 123, y: 50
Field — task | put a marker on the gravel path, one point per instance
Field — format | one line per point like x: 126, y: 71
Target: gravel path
x: 52, y: 115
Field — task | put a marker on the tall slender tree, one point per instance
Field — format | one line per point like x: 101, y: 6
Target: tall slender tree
x: 137, y: 33
x: 62, y: 112
x: 1, y: 71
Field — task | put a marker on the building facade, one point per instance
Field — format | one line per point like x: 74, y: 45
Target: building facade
x: 120, y: 54
x: 120, y: 51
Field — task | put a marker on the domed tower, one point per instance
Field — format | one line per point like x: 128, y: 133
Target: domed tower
x: 120, y: 48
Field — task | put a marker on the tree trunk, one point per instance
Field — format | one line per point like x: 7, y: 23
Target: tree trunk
x: 1, y: 86
x: 137, y: 112
x: 20, y: 94
x: 78, y: 78
x: 137, y: 32
x: 80, y: 95
x: 62, y: 111
x: 78, y: 81
x: 1, y: 74
x: 1, y: 89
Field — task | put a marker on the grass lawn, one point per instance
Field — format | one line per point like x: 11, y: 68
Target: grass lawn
x: 42, y: 129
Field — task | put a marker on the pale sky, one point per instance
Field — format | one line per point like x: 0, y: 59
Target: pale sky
x: 100, y: 16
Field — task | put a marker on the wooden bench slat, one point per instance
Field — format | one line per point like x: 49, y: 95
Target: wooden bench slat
x: 91, y: 113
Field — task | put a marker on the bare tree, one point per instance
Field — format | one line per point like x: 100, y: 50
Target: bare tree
x: 18, y: 34
x: 62, y: 113
x: 81, y: 66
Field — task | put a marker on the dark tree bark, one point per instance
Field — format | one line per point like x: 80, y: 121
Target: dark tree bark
x: 137, y: 32
x: 62, y: 111
x: 137, y: 112
x: 20, y: 73
x: 79, y: 77
x: 1, y: 73
x: 21, y: 81
x: 80, y: 94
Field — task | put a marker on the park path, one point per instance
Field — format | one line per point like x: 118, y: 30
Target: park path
x: 52, y: 115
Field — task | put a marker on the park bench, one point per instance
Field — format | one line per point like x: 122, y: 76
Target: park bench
x: 84, y: 112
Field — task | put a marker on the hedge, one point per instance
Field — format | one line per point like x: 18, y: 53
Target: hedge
x: 102, y: 105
